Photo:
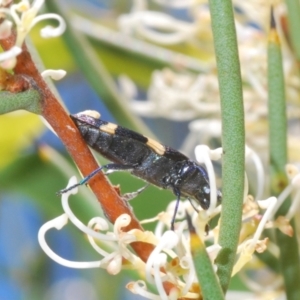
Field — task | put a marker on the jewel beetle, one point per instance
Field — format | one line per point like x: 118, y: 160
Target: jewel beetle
x: 145, y: 158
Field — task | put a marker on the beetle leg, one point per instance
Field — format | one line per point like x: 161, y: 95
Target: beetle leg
x: 115, y: 167
x: 176, y: 191
x: 130, y: 196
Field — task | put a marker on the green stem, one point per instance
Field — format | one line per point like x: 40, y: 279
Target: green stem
x: 208, y: 280
x: 233, y: 135
x: 289, y: 252
x: 209, y: 284
x: 28, y: 100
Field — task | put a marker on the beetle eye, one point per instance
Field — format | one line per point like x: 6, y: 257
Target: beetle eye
x: 206, y: 189
x: 204, y: 196
x: 205, y: 203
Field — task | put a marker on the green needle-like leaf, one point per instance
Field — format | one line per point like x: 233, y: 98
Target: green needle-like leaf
x: 289, y: 252
x: 209, y: 284
x: 233, y: 135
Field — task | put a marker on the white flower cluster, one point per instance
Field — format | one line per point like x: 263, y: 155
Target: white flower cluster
x: 171, y: 260
x: 23, y: 17
x: 181, y: 95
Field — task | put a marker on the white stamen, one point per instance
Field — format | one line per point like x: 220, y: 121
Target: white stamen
x: 216, y: 154
x: 284, y: 194
x: 169, y: 240
x: 54, y: 74
x: 75, y: 220
x: 266, y: 217
x: 202, y: 156
x: 159, y: 261
x: 121, y: 222
x: 115, y: 266
x: 260, y: 174
x: 11, y: 53
x: 213, y: 251
x: 159, y: 229
x: 139, y: 287
x: 59, y: 223
x: 291, y: 171
x: 49, y: 31
x: 187, y: 264
x: 97, y: 223
x: 29, y: 19
x: 150, y: 25
x: 5, y: 29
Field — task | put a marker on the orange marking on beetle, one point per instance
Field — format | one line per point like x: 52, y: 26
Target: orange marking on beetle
x: 156, y: 146
x: 109, y: 128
